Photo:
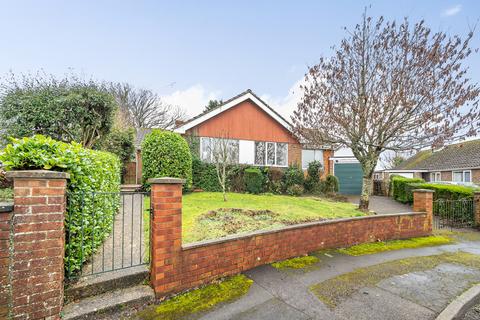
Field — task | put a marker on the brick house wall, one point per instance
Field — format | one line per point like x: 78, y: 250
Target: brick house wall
x: 294, y: 154
x: 476, y: 176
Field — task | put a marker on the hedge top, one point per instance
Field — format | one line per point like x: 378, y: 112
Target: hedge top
x: 37, y: 174
x: 166, y: 180
x: 423, y: 190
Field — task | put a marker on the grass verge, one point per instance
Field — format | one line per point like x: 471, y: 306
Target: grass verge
x: 198, y: 300
x: 334, y: 290
x: 296, y: 263
x: 375, y: 247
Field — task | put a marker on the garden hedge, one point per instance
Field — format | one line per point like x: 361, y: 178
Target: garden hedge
x: 166, y: 154
x: 90, y: 212
x: 403, y: 189
x: 253, y: 180
x: 400, y: 190
x: 204, y: 176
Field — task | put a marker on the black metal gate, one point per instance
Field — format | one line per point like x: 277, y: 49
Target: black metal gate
x: 453, y: 213
x: 106, y: 231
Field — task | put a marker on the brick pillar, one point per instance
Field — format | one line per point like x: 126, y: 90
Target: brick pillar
x: 476, y: 207
x: 38, y: 244
x: 423, y: 202
x: 166, y: 234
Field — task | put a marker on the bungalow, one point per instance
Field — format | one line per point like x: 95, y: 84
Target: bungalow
x: 456, y: 163
x: 262, y: 137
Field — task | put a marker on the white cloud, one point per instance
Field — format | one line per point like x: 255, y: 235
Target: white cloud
x: 452, y: 10
x: 286, y: 105
x: 193, y: 100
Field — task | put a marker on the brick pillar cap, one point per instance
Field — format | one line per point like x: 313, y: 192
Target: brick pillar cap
x: 37, y: 174
x: 424, y: 191
x: 476, y: 192
x: 166, y: 180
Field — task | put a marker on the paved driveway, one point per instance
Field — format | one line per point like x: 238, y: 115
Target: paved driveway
x: 383, y: 205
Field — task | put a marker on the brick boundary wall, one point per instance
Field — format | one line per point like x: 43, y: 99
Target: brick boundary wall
x: 175, y: 268
x: 36, y: 245
x: 6, y: 212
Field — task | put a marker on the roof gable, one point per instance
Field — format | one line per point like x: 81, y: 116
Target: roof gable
x: 244, y: 96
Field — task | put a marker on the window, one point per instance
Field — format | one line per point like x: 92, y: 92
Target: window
x: 260, y: 153
x: 271, y: 153
x: 211, y: 147
x: 311, y: 155
x: 462, y: 176
x: 435, y: 176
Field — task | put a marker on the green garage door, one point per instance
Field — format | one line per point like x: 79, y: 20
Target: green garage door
x: 349, y: 177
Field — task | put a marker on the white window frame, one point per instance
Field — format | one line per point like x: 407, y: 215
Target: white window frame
x: 314, y: 151
x: 210, y: 160
x: 435, y: 176
x: 462, y: 172
x: 266, y: 152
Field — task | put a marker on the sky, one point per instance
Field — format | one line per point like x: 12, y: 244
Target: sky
x: 192, y: 51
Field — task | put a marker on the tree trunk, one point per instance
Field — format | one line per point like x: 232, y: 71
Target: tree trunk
x: 366, y: 191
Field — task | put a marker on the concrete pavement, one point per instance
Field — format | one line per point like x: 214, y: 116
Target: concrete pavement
x: 417, y: 295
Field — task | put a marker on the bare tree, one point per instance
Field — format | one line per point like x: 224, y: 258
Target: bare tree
x: 144, y: 109
x: 223, y: 152
x: 392, y: 160
x: 389, y: 86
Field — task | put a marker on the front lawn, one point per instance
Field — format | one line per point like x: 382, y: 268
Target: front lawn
x: 207, y: 216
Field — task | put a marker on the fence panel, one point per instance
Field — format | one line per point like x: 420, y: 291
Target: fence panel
x: 453, y: 213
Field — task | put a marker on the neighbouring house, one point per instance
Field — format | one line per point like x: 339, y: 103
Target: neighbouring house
x: 456, y: 163
x: 259, y: 135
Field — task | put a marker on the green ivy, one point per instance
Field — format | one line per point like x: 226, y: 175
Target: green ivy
x: 89, y: 217
x: 166, y: 154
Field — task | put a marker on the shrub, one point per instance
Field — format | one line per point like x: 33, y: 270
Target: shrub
x: 166, y: 154
x: 66, y: 109
x: 120, y: 143
x: 293, y: 175
x: 273, y: 181
x: 313, y: 175
x: 253, y: 180
x: 236, y: 180
x: 331, y: 184
x: 295, y: 190
x: 399, y: 188
x: 204, y: 176
x: 90, y: 171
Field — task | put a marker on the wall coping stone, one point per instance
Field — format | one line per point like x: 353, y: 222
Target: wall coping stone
x: 423, y: 190
x: 291, y: 227
x: 6, y: 207
x: 166, y: 180
x: 37, y: 174
x: 476, y: 192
